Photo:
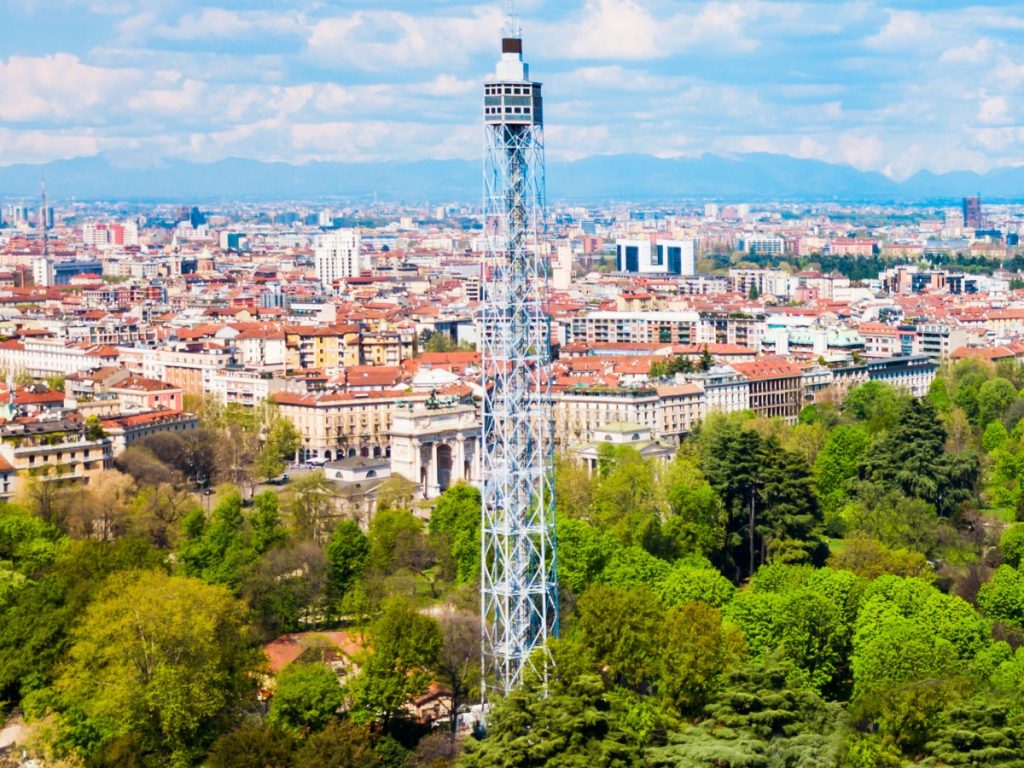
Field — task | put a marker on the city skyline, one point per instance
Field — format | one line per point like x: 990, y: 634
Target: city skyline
x: 895, y: 87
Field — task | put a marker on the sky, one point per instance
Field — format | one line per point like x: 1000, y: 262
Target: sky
x: 897, y: 87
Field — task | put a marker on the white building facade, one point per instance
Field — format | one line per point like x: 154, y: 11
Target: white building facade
x: 337, y: 256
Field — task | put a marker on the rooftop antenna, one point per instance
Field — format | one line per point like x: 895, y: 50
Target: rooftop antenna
x: 512, y: 28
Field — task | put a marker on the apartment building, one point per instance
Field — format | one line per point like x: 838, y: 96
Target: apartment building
x: 241, y: 386
x: 725, y: 390
x: 775, y: 387
x: 52, y: 450
x: 41, y: 358
x: 579, y: 411
x: 321, y: 348
x: 610, y: 327
x: 343, y: 424
x: 681, y: 407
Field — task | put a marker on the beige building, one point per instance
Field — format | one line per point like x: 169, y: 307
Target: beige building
x: 56, y: 450
x: 580, y: 412
x: 775, y: 387
x: 343, y: 424
x: 681, y: 407
x: 323, y: 348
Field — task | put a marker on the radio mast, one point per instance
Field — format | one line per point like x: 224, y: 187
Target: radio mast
x: 519, y: 586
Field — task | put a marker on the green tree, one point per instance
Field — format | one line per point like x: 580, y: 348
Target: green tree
x: 27, y: 544
x: 395, y: 493
x: 309, y: 503
x: 791, y: 521
x: 762, y: 716
x: 870, y: 558
x: 583, y: 553
x: 1011, y: 542
x: 265, y: 522
x: 695, y: 650
x: 627, y: 500
x: 94, y: 429
x: 978, y: 732
x: 911, y: 458
x: 458, y: 661
x: 395, y: 534
x: 873, y: 404
x: 938, y: 395
x: 455, y: 531
x: 41, y: 611
x: 285, y: 588
x: 733, y: 458
x: 633, y: 566
x: 893, y: 518
x: 404, y: 647
x: 305, y: 698
x: 692, y: 580
x: 965, y: 394
x: 252, y: 745
x: 219, y: 551
x: 1002, y: 598
x: 574, y: 488
x: 837, y: 462
x: 341, y: 744
x: 697, y: 519
x: 280, y: 444
x: 995, y: 436
x: 572, y: 725
x: 163, y: 658
x: 346, y: 553
x: 994, y: 397
x: 621, y: 627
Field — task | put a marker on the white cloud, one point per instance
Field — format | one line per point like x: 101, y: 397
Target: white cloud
x: 975, y: 53
x: 902, y: 30
x: 929, y: 88
x: 59, y: 87
x: 38, y: 146
x: 615, y: 29
x: 993, y: 109
x: 999, y: 139
x: 220, y: 23
x: 862, y: 150
x: 389, y: 40
x: 630, y: 30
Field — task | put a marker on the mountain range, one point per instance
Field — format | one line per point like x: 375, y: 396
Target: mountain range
x: 626, y: 177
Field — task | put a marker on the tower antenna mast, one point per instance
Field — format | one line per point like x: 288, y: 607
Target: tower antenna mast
x: 519, y: 585
x: 512, y: 28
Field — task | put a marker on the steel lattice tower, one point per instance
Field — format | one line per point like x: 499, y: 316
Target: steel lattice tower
x: 519, y: 587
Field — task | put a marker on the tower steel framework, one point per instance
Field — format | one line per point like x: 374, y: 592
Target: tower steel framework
x: 519, y: 586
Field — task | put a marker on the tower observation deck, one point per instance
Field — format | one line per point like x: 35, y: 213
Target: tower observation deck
x: 519, y: 587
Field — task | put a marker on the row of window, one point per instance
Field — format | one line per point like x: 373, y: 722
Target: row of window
x: 508, y: 111
x: 508, y: 90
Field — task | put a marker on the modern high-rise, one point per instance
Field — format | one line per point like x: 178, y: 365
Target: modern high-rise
x: 519, y: 586
x: 665, y: 257
x: 337, y: 256
x: 972, y: 212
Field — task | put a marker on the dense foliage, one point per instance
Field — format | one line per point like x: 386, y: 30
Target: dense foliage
x: 844, y: 592
x: 841, y: 592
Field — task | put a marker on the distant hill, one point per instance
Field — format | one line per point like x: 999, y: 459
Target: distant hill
x: 633, y: 177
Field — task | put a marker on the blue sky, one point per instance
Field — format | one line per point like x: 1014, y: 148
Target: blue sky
x: 891, y: 86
